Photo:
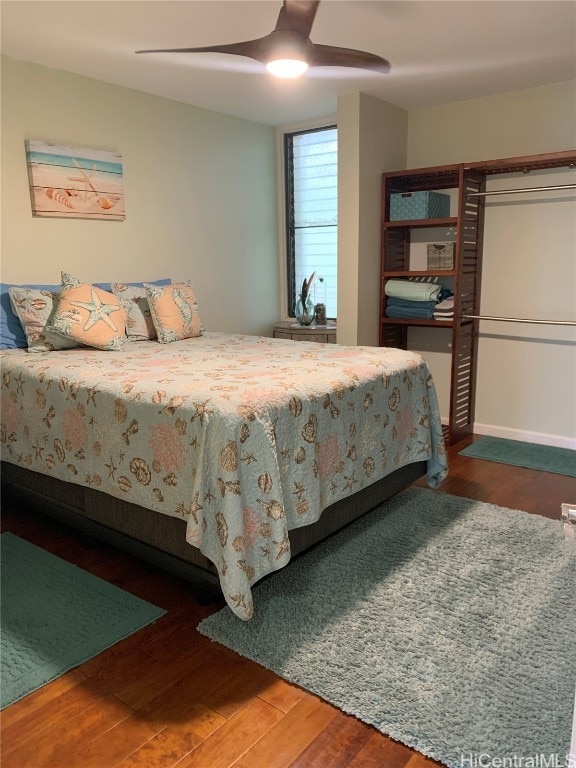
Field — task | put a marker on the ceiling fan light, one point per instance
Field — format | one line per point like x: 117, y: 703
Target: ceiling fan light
x: 287, y: 68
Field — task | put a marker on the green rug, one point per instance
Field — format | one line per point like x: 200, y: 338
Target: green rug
x: 548, y: 458
x: 446, y: 623
x: 56, y: 616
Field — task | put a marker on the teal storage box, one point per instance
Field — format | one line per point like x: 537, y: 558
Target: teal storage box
x: 419, y: 205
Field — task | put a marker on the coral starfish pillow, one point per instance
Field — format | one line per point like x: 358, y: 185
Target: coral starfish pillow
x: 174, y: 311
x: 90, y: 315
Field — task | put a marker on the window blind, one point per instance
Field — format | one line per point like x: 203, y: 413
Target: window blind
x: 312, y: 215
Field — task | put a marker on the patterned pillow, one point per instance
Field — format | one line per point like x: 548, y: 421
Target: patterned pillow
x: 12, y: 334
x: 35, y: 310
x: 174, y: 311
x: 90, y: 315
x: 139, y: 326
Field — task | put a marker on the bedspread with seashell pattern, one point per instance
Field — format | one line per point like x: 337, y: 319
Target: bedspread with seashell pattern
x: 245, y: 437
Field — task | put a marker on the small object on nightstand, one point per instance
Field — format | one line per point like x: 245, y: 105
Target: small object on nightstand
x: 320, y: 314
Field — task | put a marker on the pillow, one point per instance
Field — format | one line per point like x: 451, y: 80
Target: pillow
x: 89, y: 315
x: 139, y: 325
x: 174, y: 311
x: 35, y: 310
x: 12, y: 334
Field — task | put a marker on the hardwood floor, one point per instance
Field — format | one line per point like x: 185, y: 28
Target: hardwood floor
x: 167, y: 696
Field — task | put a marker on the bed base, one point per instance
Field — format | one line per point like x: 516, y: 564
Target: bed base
x: 160, y: 539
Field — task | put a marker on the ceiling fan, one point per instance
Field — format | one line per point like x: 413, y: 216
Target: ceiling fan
x: 288, y: 51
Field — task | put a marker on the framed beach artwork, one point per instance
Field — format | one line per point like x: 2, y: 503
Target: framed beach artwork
x: 73, y: 182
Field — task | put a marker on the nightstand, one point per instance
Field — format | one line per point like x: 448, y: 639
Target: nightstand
x: 291, y: 330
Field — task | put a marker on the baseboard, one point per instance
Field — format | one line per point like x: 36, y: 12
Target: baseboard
x: 541, y: 438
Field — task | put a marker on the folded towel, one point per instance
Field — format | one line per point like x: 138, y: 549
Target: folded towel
x: 394, y: 302
x: 445, y: 306
x: 408, y: 289
x: 415, y: 314
x: 443, y: 317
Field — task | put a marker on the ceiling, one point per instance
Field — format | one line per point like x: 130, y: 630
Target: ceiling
x: 440, y: 50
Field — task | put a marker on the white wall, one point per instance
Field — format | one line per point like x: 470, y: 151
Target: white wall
x: 200, y: 195
x: 527, y: 373
x: 372, y: 138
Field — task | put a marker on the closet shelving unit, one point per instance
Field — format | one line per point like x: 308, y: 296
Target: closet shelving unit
x: 468, y: 183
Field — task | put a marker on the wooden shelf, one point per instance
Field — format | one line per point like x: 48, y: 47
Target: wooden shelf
x: 419, y: 273
x: 417, y: 321
x: 449, y: 221
x: 468, y: 182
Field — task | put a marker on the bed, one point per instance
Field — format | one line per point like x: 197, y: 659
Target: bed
x: 232, y: 452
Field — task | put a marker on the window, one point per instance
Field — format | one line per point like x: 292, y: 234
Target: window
x: 311, y: 173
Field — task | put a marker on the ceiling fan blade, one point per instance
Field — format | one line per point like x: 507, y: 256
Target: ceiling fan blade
x: 332, y: 56
x: 291, y: 39
x: 297, y: 16
x: 250, y: 48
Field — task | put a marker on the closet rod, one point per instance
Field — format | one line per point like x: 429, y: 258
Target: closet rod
x: 519, y: 320
x: 524, y: 189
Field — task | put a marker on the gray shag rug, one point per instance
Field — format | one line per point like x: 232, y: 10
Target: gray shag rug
x: 446, y: 623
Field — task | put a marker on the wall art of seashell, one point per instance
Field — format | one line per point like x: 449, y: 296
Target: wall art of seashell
x: 229, y: 457
x: 141, y: 471
x: 265, y: 482
x: 107, y: 202
x: 221, y: 528
x: 60, y: 197
x: 124, y: 484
